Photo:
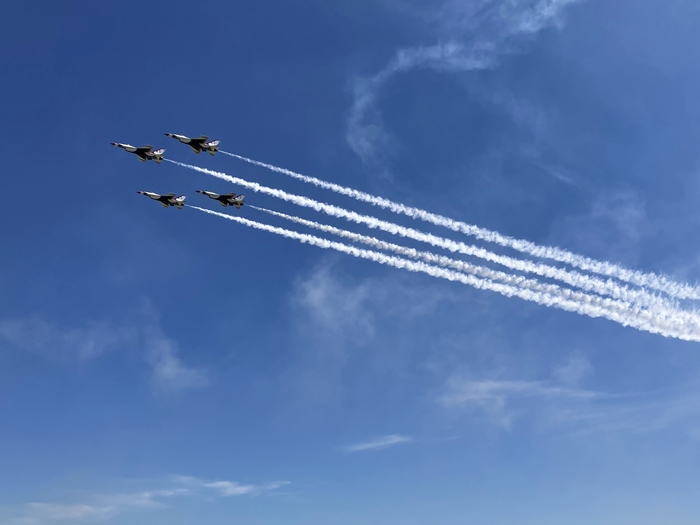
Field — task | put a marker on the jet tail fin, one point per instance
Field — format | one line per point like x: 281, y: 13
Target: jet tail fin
x: 158, y: 155
x: 212, y: 147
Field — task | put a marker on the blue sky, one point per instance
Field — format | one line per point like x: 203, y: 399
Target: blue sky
x: 164, y: 366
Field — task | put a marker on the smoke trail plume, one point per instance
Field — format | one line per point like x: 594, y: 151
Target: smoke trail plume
x: 657, y: 309
x: 678, y: 329
x: 650, y: 280
x: 572, y: 278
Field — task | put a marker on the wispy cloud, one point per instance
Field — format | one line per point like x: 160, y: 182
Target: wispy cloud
x: 488, y: 391
x: 337, y: 316
x: 332, y: 318
x: 611, y: 228
x: 102, y: 508
x: 378, y: 443
x: 106, y: 506
x: 502, y: 401
x: 85, y: 343
x: 170, y: 374
x: 549, y: 404
x: 230, y: 488
x: 49, y: 340
x: 37, y: 513
x: 574, y: 370
x: 470, y: 34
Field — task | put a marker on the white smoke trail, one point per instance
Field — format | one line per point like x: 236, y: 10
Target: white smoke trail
x: 656, y: 309
x: 572, y: 278
x: 666, y: 328
x: 650, y: 280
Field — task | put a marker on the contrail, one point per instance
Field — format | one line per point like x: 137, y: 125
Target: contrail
x: 572, y: 278
x: 650, y: 280
x: 666, y: 328
x: 656, y: 309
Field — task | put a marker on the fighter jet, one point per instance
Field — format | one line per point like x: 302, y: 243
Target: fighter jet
x: 144, y: 152
x: 198, y: 144
x: 228, y: 199
x: 167, y: 200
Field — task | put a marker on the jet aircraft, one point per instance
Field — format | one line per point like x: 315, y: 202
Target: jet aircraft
x: 197, y: 144
x: 144, y: 153
x: 167, y: 200
x: 227, y: 199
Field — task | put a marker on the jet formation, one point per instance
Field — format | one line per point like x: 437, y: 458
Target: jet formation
x: 198, y: 144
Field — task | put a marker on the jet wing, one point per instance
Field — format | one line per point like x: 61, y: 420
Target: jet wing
x: 197, y: 144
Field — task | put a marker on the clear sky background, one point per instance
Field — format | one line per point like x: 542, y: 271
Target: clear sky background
x: 169, y: 367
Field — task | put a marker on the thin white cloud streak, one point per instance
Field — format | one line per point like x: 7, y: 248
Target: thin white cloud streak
x: 553, y: 405
x: 378, y: 443
x: 572, y: 278
x: 105, y: 507
x: 649, y: 280
x: 487, y: 273
x: 491, y: 390
x: 666, y: 327
x: 502, y: 401
x: 229, y: 488
x: 232, y: 488
x: 38, y: 513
